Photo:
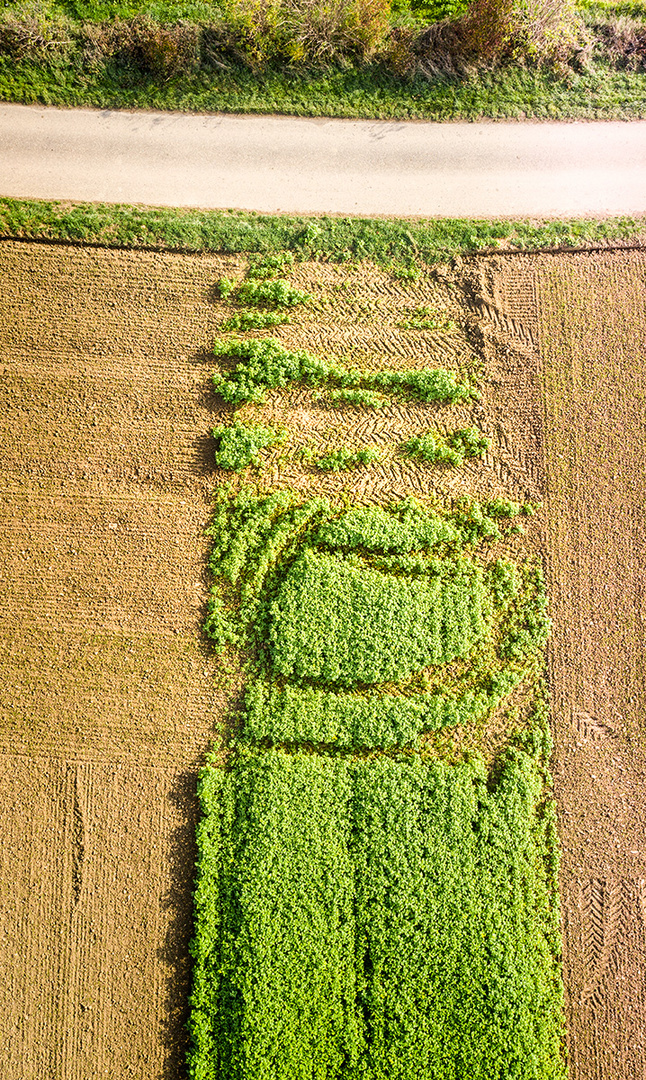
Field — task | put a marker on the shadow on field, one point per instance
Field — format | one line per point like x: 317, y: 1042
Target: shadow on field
x: 178, y: 904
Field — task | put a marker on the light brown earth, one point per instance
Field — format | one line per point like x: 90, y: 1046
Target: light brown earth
x: 587, y: 314
x: 109, y: 700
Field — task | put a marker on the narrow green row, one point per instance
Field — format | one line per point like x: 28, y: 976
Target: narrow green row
x: 375, y: 920
x: 300, y: 715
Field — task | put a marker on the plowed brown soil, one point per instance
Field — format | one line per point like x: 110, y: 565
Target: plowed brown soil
x: 587, y: 315
x: 109, y: 698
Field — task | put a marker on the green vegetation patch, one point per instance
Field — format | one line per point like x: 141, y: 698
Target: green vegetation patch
x: 338, y: 621
x: 450, y: 449
x: 266, y: 364
x: 340, y: 459
x: 373, y: 919
x: 238, y: 445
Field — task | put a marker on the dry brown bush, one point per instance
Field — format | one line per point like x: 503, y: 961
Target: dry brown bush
x: 623, y: 41
x: 152, y: 47
x: 33, y: 36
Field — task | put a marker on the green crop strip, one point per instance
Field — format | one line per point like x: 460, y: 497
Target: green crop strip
x: 265, y: 364
x: 376, y: 920
x: 370, y: 903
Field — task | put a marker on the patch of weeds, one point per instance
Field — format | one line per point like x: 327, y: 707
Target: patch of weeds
x: 238, y: 445
x: 447, y: 449
x: 343, y: 458
x: 254, y: 320
x: 360, y: 399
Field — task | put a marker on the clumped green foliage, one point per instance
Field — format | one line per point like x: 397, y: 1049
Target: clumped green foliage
x: 272, y: 294
x: 341, y: 459
x: 447, y: 449
x: 268, y: 365
x: 238, y: 445
x: 373, y: 919
x: 254, y: 320
x: 340, y: 622
x: 309, y: 715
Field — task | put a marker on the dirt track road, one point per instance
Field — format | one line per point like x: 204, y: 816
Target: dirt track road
x: 272, y: 164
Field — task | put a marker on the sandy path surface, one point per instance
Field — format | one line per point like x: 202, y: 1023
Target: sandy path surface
x: 296, y: 165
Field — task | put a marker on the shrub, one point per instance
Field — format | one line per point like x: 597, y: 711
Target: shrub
x: 34, y: 36
x: 305, y: 30
x: 537, y: 30
x: 157, y: 49
x: 238, y: 445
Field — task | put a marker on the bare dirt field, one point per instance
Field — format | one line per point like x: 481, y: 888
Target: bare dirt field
x: 109, y: 699
x: 587, y: 315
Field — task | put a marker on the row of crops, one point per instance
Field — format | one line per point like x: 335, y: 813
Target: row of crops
x: 366, y: 908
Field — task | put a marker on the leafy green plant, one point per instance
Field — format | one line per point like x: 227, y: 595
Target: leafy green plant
x: 447, y: 449
x: 254, y: 320
x: 238, y: 445
x: 363, y: 919
x: 341, y: 459
x: 263, y: 293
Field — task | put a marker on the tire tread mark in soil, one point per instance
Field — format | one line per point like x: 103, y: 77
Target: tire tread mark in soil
x: 601, y: 902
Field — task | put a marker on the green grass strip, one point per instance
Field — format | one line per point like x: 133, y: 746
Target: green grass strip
x: 376, y: 920
x: 369, y: 91
x: 337, y: 239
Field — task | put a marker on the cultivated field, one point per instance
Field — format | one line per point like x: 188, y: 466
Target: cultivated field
x: 110, y: 697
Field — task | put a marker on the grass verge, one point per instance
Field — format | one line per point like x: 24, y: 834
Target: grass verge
x: 387, y: 242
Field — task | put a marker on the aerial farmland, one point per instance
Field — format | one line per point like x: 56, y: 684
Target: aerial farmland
x: 322, y: 709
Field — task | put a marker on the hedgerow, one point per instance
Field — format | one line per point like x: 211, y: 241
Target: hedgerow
x: 238, y: 445
x: 267, y: 365
x: 376, y: 919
